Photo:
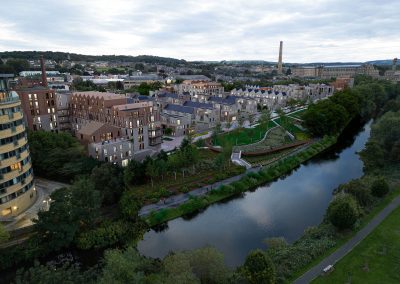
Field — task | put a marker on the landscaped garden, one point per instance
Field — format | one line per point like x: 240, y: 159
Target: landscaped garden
x: 298, y: 114
x: 208, y: 168
x: 275, y: 137
x: 292, y: 125
x: 243, y: 136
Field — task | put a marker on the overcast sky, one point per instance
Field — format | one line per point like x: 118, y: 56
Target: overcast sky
x: 312, y: 30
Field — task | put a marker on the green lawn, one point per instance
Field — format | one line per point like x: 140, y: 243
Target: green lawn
x: 298, y: 114
x: 243, y: 136
x: 289, y: 125
x: 276, y: 137
x: 375, y: 260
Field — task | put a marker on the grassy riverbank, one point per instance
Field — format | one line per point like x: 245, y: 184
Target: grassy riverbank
x: 374, y: 260
x: 248, y: 182
x: 335, y: 238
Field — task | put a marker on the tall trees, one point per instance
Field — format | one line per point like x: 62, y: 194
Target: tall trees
x: 205, y: 264
x: 61, y: 153
x: 108, y: 180
x: 258, y: 268
x: 265, y: 117
x: 71, y: 209
x: 152, y: 171
x: 379, y: 187
x: 134, y: 173
x: 325, y: 117
x: 384, y: 144
x: 342, y: 211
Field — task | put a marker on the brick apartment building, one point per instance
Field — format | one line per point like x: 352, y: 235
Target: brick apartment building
x: 100, y: 120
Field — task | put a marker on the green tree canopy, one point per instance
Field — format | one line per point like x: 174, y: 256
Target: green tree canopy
x: 258, y: 268
x: 379, y: 187
x: 342, y: 211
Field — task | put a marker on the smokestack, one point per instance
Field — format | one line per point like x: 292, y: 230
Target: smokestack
x: 394, y: 64
x: 44, y: 77
x: 280, y: 58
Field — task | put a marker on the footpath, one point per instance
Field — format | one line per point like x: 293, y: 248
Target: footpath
x: 347, y: 247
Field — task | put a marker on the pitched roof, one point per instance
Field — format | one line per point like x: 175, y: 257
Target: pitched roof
x: 198, y: 105
x: 91, y: 127
x: 179, y: 108
x: 229, y: 100
x: 168, y: 95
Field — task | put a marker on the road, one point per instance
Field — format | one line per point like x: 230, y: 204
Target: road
x: 347, y: 247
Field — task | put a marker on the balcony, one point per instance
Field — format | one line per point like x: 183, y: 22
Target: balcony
x: 8, y: 100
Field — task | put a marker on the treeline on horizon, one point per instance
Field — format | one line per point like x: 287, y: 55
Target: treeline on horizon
x: 60, y: 56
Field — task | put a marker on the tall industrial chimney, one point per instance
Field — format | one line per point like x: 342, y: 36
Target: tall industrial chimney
x: 44, y: 77
x: 280, y: 58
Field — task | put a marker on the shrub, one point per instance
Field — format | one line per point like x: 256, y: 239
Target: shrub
x: 342, y: 212
x: 356, y: 189
x: 379, y: 187
x: 258, y: 268
x: 129, y: 205
x: 107, y: 234
x: 185, y: 189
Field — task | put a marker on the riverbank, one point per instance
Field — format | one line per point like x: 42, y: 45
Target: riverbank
x: 374, y: 258
x: 248, y: 182
x: 338, y: 239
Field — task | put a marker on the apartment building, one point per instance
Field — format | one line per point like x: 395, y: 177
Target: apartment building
x: 98, y: 117
x: 177, y: 118
x: 277, y: 96
x: 205, y: 115
x: 200, y: 91
x: 226, y: 107
x: 334, y: 71
x: 17, y: 191
x: 40, y: 107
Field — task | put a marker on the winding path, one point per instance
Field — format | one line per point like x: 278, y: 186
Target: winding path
x: 347, y: 247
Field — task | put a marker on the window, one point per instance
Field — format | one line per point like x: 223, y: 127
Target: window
x: 16, y: 166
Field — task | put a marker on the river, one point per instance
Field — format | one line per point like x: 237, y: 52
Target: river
x: 283, y: 208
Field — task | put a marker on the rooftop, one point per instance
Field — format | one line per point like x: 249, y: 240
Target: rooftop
x: 91, y: 127
x: 198, y: 105
x: 179, y: 108
x: 100, y: 95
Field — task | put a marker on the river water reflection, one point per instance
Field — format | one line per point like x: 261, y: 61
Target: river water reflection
x: 282, y: 208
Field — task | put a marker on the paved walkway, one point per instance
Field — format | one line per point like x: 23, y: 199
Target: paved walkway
x: 176, y: 200
x: 44, y: 188
x: 347, y: 247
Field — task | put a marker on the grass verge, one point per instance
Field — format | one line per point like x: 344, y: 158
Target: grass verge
x: 344, y: 237
x: 374, y: 260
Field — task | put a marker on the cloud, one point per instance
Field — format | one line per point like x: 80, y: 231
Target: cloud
x: 320, y: 30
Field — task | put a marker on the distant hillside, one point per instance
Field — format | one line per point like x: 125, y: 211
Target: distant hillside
x: 381, y: 62
x: 60, y: 56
